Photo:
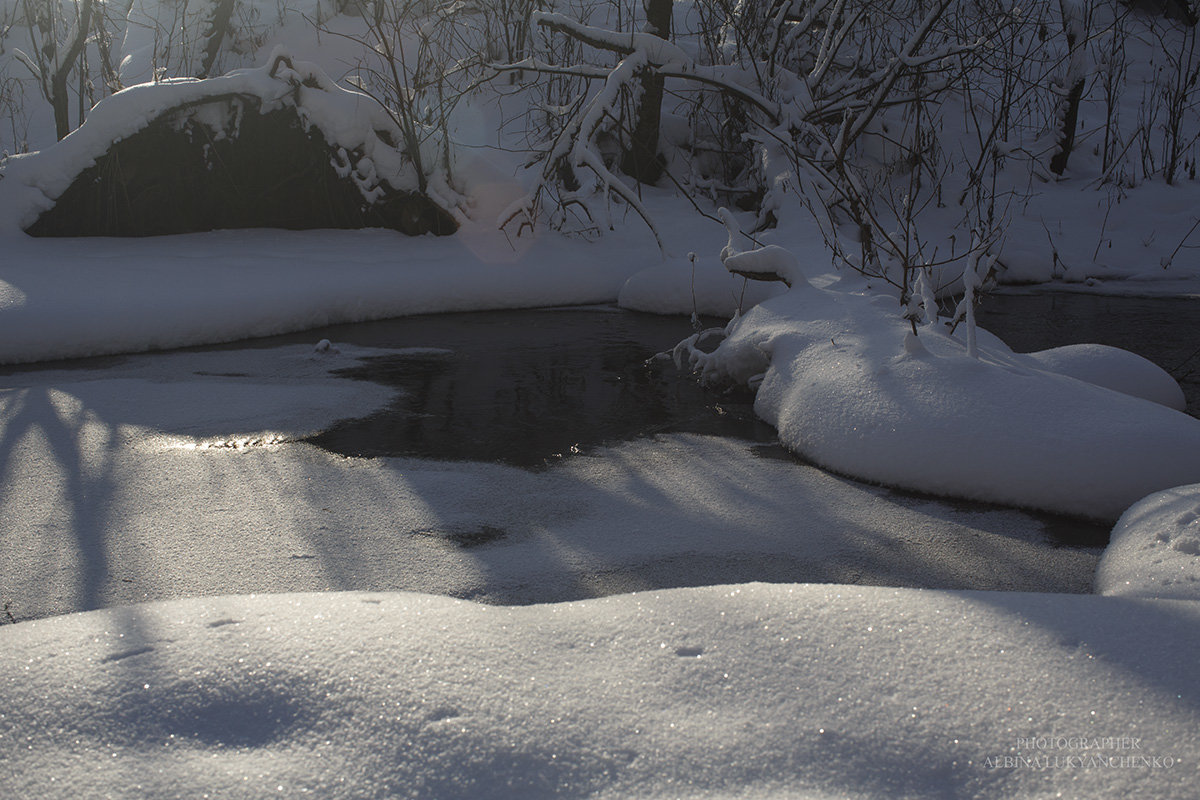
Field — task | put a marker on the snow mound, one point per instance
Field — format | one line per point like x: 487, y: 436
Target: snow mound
x: 849, y: 385
x: 1112, y: 368
x: 1155, y: 548
x: 748, y: 691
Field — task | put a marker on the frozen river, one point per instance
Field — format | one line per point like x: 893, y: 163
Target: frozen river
x: 512, y: 457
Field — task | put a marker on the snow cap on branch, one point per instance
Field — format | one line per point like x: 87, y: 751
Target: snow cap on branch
x: 769, y: 263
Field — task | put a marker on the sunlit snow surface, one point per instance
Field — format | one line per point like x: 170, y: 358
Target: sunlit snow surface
x: 727, y: 691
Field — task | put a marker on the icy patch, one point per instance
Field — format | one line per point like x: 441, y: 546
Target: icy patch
x: 93, y: 519
x: 250, y: 398
x: 1155, y: 548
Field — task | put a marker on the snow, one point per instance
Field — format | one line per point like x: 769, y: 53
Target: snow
x: 1155, y: 548
x: 702, y: 286
x: 140, y: 480
x: 1114, y: 369
x: 850, y: 386
x: 770, y: 263
x: 1059, y: 237
x: 725, y: 691
x: 83, y: 297
x: 209, y: 604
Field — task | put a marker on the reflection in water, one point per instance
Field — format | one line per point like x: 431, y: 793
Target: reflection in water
x: 529, y: 387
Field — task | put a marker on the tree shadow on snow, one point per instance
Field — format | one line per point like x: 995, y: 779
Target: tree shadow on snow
x: 57, y: 532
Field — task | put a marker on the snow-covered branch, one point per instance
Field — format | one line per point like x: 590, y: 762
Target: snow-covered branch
x: 655, y: 50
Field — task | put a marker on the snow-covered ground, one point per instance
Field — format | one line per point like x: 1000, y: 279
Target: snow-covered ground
x: 154, y: 510
x: 81, y: 297
x: 146, y: 481
x: 178, y: 475
x: 798, y: 691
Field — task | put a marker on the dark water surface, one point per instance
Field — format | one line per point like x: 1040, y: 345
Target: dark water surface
x: 527, y: 388
x: 1165, y: 330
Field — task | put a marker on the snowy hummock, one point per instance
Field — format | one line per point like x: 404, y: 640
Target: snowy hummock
x: 847, y: 384
x: 798, y: 691
x: 1112, y: 368
x: 1155, y: 548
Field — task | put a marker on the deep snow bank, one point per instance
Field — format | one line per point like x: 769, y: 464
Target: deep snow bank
x: 1155, y: 548
x: 751, y: 691
x: 62, y: 298
x: 849, y: 386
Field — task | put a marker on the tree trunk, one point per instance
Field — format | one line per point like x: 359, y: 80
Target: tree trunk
x: 642, y: 160
x: 60, y: 101
x: 1066, y: 135
x: 218, y: 28
x: 1075, y: 28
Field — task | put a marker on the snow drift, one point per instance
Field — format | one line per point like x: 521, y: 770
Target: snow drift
x: 1155, y: 548
x: 748, y: 691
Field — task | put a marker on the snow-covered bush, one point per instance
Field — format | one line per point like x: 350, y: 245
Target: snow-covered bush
x: 777, y: 107
x: 73, y: 53
x: 409, y: 53
x: 907, y: 135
